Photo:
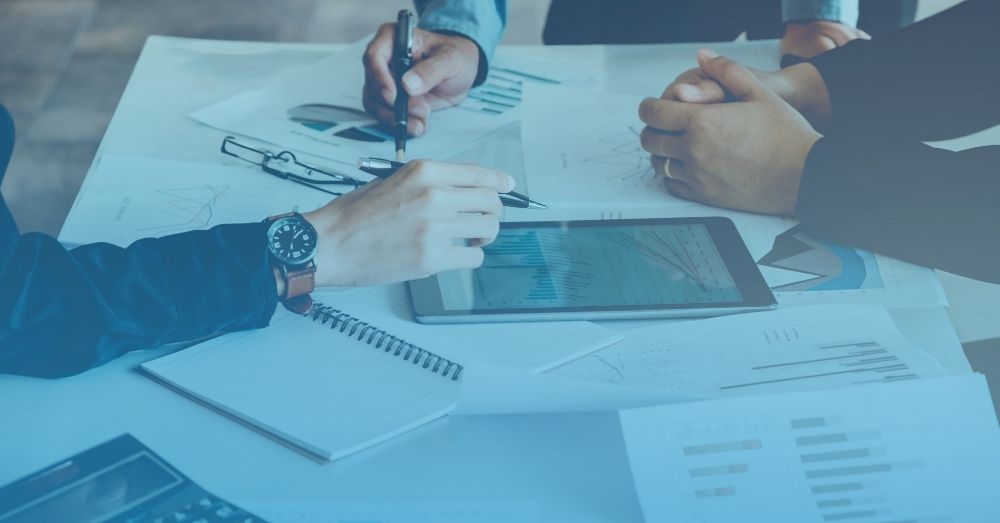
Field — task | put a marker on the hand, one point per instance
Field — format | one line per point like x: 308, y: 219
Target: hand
x: 410, y: 225
x: 746, y: 155
x: 801, y: 86
x: 444, y: 69
x: 808, y: 39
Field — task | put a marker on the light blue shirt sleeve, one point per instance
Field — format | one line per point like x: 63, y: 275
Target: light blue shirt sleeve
x: 843, y: 11
x: 481, y: 20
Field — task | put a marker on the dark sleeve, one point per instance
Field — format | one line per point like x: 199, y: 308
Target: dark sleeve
x: 62, y: 312
x: 907, y: 200
x: 933, y: 80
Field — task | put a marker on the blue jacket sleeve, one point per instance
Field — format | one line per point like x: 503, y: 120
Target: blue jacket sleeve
x: 843, y: 11
x: 482, y: 21
x: 62, y: 312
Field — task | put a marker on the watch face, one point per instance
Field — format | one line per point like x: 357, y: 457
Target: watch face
x: 292, y: 240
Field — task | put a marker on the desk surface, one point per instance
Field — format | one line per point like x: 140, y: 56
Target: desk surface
x: 522, y: 460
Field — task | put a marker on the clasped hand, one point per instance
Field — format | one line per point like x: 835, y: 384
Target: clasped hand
x: 718, y: 135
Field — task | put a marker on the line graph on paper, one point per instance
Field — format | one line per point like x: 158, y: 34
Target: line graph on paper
x: 622, y: 157
x: 187, y: 208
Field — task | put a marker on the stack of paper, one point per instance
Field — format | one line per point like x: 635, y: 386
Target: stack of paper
x: 926, y: 450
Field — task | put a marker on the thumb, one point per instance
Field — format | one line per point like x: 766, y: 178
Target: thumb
x: 733, y: 77
x: 428, y: 73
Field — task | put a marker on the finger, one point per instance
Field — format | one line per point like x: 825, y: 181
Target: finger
x: 703, y: 92
x: 679, y: 189
x: 683, y: 172
x: 661, y: 166
x: 430, y: 72
x: 864, y: 35
x: 837, y: 38
x: 478, y: 200
x: 377, y: 56
x: 663, y: 143
x: 460, y: 175
x: 734, y: 78
x: 416, y: 124
x: 463, y: 257
x: 474, y: 227
x: 666, y: 115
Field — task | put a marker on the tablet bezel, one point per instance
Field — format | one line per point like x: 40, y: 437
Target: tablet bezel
x: 427, y: 299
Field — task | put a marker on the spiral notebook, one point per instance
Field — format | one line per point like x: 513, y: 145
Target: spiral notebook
x: 333, y: 384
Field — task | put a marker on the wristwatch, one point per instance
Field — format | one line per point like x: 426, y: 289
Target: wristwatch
x: 292, y: 244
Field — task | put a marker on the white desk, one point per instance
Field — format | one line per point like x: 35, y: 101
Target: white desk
x: 570, y: 467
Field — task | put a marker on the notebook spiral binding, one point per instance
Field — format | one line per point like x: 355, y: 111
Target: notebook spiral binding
x: 372, y: 335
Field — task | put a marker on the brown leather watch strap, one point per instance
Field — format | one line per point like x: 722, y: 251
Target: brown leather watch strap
x: 298, y: 285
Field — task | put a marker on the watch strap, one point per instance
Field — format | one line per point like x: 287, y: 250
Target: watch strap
x: 298, y: 284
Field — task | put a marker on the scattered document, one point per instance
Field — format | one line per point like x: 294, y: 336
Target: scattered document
x: 319, y: 110
x: 498, y: 390
x: 787, y: 350
x: 926, y: 450
x: 129, y: 197
x: 582, y: 149
x: 528, y: 346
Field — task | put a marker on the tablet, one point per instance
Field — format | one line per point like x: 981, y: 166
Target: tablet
x: 602, y: 269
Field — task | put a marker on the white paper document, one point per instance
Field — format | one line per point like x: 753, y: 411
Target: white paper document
x: 129, y: 197
x: 319, y: 110
x: 498, y: 390
x: 582, y: 149
x: 786, y: 350
x: 925, y: 450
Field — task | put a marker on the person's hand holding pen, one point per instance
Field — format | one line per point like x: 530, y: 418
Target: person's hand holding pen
x: 444, y: 68
x: 427, y: 218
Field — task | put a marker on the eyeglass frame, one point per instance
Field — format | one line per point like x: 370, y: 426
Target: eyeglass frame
x: 286, y: 157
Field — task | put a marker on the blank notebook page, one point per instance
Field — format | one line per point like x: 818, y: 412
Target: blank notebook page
x: 311, y: 385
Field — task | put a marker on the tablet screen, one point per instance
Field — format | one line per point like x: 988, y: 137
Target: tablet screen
x: 602, y: 265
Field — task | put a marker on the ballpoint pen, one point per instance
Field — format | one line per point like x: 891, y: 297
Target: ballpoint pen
x: 401, y: 60
x: 385, y: 168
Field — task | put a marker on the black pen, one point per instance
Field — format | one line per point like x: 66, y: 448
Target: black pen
x: 402, y: 58
x: 386, y: 168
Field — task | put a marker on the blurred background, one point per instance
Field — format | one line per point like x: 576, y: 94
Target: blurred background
x: 65, y: 63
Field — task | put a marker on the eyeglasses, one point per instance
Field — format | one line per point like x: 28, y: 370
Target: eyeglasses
x: 286, y: 166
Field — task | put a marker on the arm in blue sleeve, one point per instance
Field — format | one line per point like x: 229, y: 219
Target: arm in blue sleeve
x: 482, y: 21
x: 843, y: 11
x: 63, y: 312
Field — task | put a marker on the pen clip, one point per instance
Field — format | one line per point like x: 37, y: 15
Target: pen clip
x: 404, y: 32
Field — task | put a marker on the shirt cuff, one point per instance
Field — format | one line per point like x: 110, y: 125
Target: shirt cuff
x: 236, y: 290
x: 481, y: 21
x: 843, y: 11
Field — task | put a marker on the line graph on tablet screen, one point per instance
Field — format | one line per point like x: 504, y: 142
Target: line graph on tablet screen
x: 602, y: 266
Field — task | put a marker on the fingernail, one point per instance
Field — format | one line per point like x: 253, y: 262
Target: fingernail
x: 688, y: 92
x: 412, y: 82
x: 511, y: 183
x: 418, y: 128
x: 708, y: 53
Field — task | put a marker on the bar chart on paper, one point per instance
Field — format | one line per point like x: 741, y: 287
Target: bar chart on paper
x: 921, y: 451
x: 790, y: 350
x: 608, y: 265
